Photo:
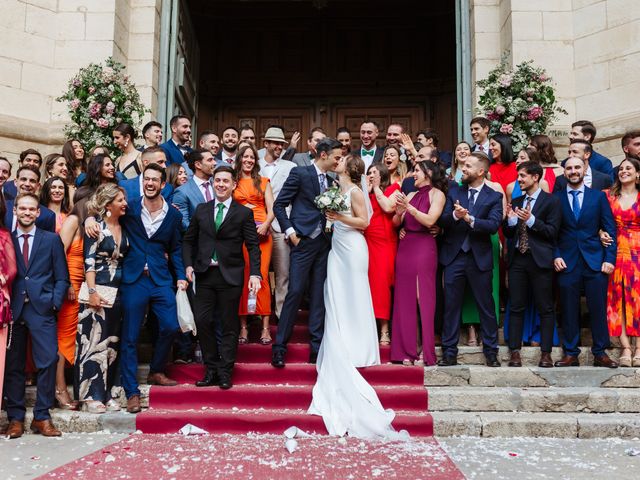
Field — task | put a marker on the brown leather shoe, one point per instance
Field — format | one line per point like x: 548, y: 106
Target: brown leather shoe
x: 545, y: 360
x: 15, y: 429
x: 604, y: 361
x: 515, y: 360
x: 160, y: 379
x: 46, y: 428
x: 568, y: 361
x: 133, y: 404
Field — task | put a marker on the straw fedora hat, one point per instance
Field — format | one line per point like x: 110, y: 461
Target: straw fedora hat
x: 275, y: 134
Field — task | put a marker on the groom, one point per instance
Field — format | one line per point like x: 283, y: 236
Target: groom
x: 305, y: 231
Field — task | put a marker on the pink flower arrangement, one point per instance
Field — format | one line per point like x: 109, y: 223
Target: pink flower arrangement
x: 506, y: 128
x: 534, y: 113
x: 94, y: 110
x: 500, y: 110
x: 110, y: 108
x: 75, y: 103
x: 505, y: 80
x: 92, y: 89
x: 102, y: 123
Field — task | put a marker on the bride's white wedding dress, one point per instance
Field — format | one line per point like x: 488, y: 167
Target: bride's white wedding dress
x: 347, y: 403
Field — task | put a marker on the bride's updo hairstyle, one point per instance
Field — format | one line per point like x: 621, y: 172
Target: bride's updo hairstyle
x: 354, y: 167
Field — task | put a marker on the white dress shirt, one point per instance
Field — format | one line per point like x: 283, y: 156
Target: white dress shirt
x: 485, y: 147
x: 182, y: 148
x: 269, y: 169
x: 580, y: 196
x: 229, y: 159
x: 368, y: 159
x: 151, y: 225
x: 588, y: 179
x: 19, y: 233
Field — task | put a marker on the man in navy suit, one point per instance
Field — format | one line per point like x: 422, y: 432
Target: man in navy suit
x: 533, y: 221
x: 38, y: 291
x: 154, y: 259
x: 310, y: 245
x: 582, y: 262
x: 585, y: 130
x: 471, y: 215
x: 28, y: 181
x: 177, y: 145
x: 369, y: 151
x: 480, y: 134
x: 199, y: 188
x: 133, y: 186
x: 592, y: 178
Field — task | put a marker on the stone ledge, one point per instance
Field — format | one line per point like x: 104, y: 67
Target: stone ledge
x: 83, y: 422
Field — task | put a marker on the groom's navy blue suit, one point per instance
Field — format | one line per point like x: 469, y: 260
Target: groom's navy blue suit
x: 308, y: 258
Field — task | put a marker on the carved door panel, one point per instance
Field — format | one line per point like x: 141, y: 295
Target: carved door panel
x: 291, y: 119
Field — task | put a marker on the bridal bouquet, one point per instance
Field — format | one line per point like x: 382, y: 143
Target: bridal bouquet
x: 331, y: 199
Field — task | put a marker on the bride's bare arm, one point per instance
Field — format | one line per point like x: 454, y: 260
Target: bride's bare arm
x: 360, y: 218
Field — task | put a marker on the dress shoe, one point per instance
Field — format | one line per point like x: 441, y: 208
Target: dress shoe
x: 15, y: 429
x: 210, y: 379
x: 45, y: 428
x: 515, y: 360
x: 225, y: 382
x: 492, y: 360
x: 604, y: 361
x: 313, y: 358
x: 161, y: 379
x: 545, y: 360
x: 277, y: 359
x: 133, y: 404
x: 568, y: 361
x: 448, y: 361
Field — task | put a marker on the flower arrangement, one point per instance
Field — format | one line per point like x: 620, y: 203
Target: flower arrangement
x: 99, y: 97
x: 331, y: 199
x: 520, y: 102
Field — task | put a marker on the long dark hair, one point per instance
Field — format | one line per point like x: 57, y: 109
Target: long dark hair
x: 70, y: 156
x: 45, y: 194
x: 94, y: 172
x: 255, y: 171
x: 617, y: 185
x: 506, y: 148
x: 543, y: 145
x: 436, y: 174
x: 385, y: 180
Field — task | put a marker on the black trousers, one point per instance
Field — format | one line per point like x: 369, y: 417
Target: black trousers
x: 527, y: 278
x: 216, y: 307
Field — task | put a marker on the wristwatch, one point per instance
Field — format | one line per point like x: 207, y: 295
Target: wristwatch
x: 92, y: 291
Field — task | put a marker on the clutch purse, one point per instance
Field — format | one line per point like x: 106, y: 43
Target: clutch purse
x: 108, y: 293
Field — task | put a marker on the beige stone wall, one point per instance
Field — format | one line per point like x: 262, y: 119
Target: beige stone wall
x: 591, y: 48
x: 44, y: 42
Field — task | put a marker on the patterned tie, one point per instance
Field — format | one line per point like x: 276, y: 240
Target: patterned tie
x: 25, y: 248
x: 218, y: 222
x: 323, y: 182
x: 575, y: 204
x: 523, y: 234
x: 207, y: 191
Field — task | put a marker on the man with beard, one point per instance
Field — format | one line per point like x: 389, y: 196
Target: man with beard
x: 579, y: 148
x: 28, y: 157
x: 152, y: 135
x: 586, y: 130
x: 369, y: 151
x: 178, y: 144
x: 199, y: 188
x: 230, y: 139
x: 28, y: 181
x: 471, y: 215
x: 583, y: 263
x: 247, y: 135
x: 153, y: 228
x: 631, y: 144
x: 39, y: 289
x: 133, y: 187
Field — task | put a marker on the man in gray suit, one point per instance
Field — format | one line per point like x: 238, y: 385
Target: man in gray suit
x: 277, y: 170
x: 199, y: 188
x: 306, y: 159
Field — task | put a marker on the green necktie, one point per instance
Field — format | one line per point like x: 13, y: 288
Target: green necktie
x: 218, y: 222
x: 368, y: 152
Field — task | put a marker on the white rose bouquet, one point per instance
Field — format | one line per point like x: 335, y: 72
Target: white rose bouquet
x: 333, y: 200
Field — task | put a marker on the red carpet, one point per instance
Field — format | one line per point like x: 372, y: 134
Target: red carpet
x: 155, y: 457
x: 269, y: 400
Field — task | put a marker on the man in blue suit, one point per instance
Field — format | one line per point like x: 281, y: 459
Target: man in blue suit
x: 471, y: 215
x: 310, y: 245
x: 38, y: 291
x: 199, y: 188
x: 585, y: 130
x: 177, y: 145
x: 133, y: 186
x: 153, y: 227
x: 28, y: 181
x: 582, y: 262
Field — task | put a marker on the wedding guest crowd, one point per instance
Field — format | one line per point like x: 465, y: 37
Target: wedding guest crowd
x: 95, y: 245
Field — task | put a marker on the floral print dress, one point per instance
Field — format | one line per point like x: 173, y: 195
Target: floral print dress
x: 98, y: 337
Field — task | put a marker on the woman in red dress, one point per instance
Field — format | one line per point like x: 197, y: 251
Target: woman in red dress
x: 623, y: 296
x: 382, y: 241
x: 503, y: 169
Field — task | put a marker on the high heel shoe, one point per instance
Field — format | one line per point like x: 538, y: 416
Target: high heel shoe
x: 243, y: 339
x: 419, y: 362
x: 385, y: 339
x: 625, y: 360
x: 265, y: 338
x: 64, y: 402
x: 636, y: 358
x: 94, y: 406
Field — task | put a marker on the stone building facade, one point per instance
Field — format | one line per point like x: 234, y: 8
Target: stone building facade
x: 590, y: 47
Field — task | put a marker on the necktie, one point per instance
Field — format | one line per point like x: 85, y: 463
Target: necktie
x: 523, y: 234
x: 575, y: 203
x: 481, y: 148
x: 472, y: 199
x: 323, y: 182
x: 207, y: 192
x: 368, y: 152
x: 25, y: 249
x: 218, y: 222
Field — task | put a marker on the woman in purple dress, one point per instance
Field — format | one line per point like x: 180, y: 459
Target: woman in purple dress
x: 416, y: 264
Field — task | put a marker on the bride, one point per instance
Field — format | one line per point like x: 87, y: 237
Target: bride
x: 347, y: 403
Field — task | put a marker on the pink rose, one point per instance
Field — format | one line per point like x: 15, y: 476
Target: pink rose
x: 92, y: 89
x: 506, y: 128
x: 110, y: 107
x: 534, y: 113
x: 102, y: 123
x: 75, y: 103
x: 500, y: 110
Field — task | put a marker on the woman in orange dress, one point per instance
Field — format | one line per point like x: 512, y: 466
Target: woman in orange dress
x: 71, y: 236
x: 254, y: 192
x: 623, y: 297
